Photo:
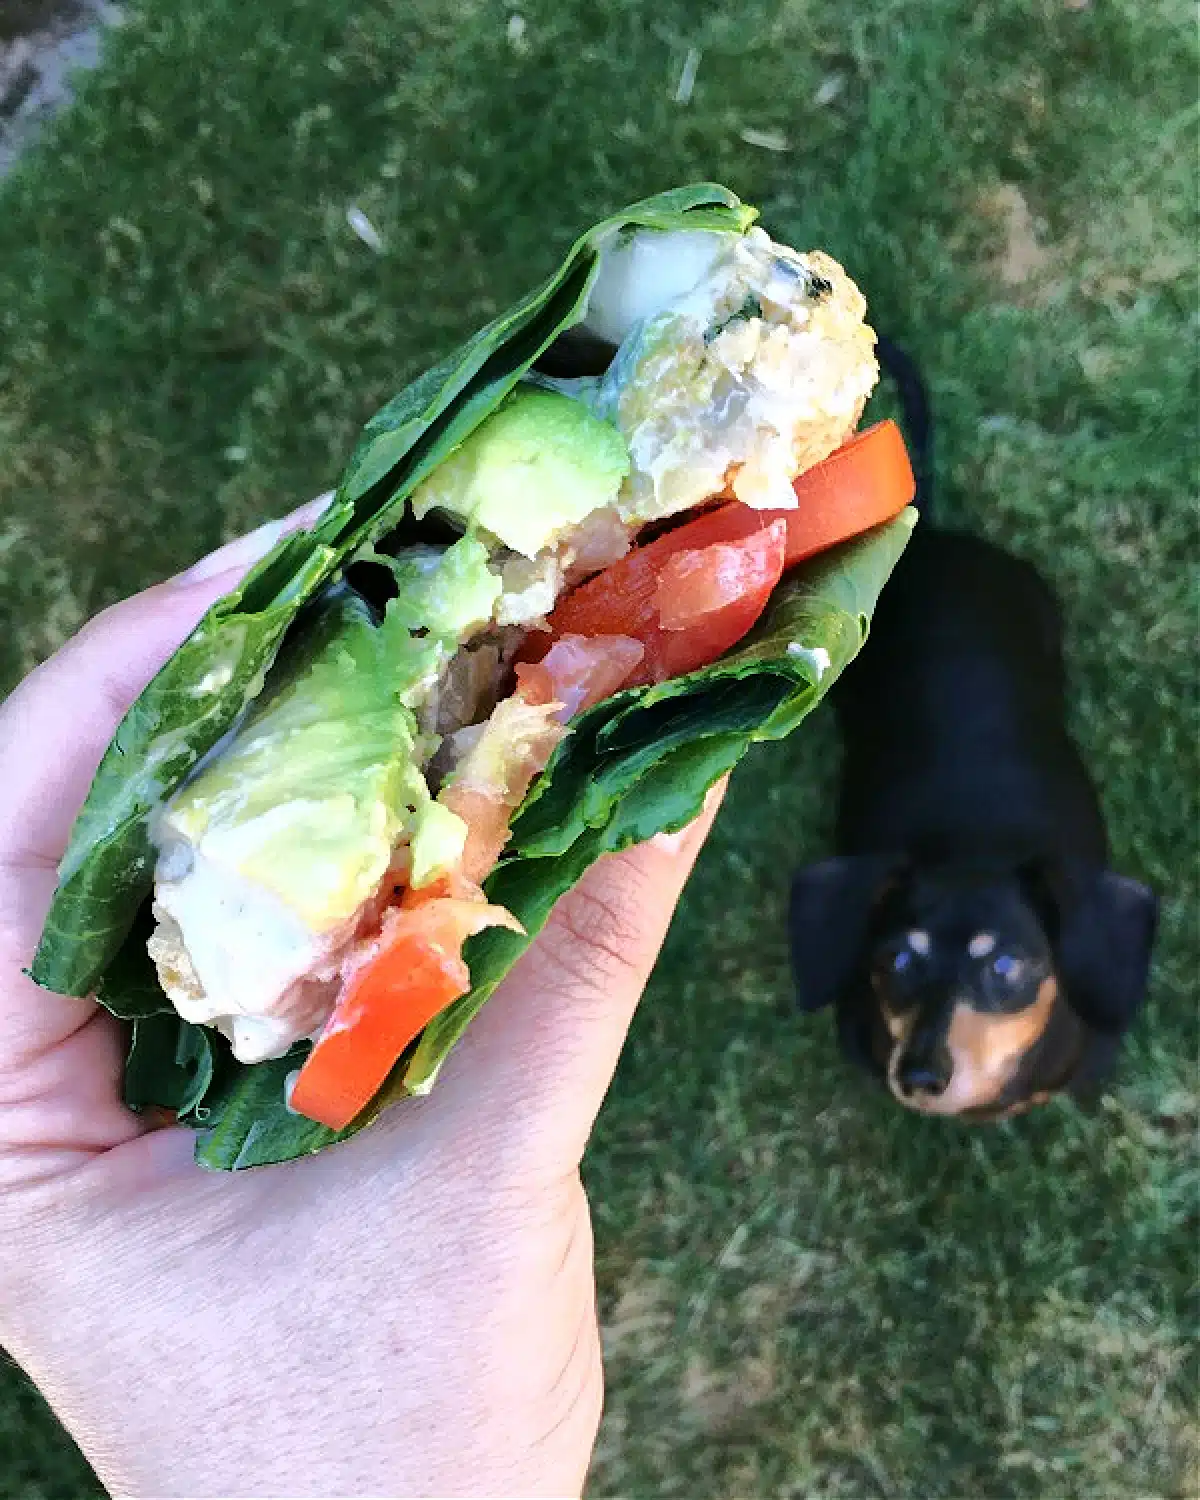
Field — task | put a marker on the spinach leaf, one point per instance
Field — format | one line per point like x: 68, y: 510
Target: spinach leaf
x: 249, y: 1125
x: 129, y: 987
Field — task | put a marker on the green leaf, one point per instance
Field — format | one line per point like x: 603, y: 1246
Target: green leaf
x: 203, y: 689
x: 171, y: 1065
x: 130, y: 987
x: 665, y: 800
x: 249, y: 1125
x: 613, y: 749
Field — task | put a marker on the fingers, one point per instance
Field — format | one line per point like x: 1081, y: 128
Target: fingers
x: 242, y: 553
x: 545, y: 1047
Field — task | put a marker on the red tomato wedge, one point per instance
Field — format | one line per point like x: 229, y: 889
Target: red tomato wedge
x: 866, y: 482
x: 417, y: 970
x: 704, y: 585
x: 707, y: 598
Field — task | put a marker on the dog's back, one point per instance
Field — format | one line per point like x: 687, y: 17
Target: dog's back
x: 954, y: 716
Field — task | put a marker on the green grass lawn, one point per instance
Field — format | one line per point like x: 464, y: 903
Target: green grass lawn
x: 805, y: 1293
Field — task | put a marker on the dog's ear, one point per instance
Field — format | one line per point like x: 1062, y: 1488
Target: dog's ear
x: 831, y: 909
x: 1101, y: 927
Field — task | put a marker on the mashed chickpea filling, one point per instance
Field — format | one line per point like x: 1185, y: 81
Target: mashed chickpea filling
x: 737, y: 364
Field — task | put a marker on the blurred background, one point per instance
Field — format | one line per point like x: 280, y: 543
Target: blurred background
x: 254, y: 223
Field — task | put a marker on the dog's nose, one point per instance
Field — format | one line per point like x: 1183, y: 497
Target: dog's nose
x: 925, y: 1072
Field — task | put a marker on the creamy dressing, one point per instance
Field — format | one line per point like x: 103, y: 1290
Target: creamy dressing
x: 251, y: 967
x: 816, y: 656
x: 641, y: 273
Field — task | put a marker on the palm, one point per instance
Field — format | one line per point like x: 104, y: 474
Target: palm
x: 372, y: 1269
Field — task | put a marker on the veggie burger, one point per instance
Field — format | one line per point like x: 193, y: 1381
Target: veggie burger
x: 569, y: 576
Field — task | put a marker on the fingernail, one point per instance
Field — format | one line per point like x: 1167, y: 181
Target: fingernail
x: 671, y: 843
x: 241, y: 555
x: 715, y: 794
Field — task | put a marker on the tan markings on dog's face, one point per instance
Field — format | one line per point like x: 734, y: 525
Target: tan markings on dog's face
x: 919, y: 941
x: 898, y: 1027
x: 981, y: 944
x: 899, y: 1023
x: 985, y: 1051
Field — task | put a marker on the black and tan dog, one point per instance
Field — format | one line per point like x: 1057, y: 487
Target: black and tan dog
x: 979, y: 953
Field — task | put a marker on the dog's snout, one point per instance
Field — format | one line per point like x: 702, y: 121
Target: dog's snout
x: 925, y: 1070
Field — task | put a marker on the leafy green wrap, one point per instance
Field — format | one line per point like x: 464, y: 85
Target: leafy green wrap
x: 638, y: 763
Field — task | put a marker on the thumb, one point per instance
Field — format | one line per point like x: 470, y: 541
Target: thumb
x: 546, y: 1045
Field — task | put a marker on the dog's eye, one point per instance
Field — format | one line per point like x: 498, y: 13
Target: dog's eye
x: 1007, y: 968
x: 902, y: 961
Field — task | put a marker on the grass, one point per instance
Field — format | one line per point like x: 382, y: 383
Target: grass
x: 804, y: 1292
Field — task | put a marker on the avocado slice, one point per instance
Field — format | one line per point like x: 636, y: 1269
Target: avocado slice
x: 537, y: 467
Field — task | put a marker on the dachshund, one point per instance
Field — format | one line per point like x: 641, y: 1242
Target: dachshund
x: 979, y: 953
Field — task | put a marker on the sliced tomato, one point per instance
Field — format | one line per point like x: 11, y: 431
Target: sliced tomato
x: 415, y: 971
x: 706, y: 584
x: 707, y: 598
x: 580, y: 670
x: 866, y: 482
x: 860, y: 485
x: 624, y: 599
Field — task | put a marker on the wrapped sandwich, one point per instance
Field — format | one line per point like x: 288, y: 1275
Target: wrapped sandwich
x: 568, y: 577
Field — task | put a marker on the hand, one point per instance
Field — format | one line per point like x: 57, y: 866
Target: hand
x: 411, y: 1313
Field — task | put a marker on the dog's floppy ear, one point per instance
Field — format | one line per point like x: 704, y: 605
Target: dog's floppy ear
x: 831, y: 909
x: 1101, y: 927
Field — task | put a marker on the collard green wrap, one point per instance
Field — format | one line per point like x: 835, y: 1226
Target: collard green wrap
x: 637, y: 764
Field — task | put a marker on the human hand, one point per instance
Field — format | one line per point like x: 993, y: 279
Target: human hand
x: 410, y: 1313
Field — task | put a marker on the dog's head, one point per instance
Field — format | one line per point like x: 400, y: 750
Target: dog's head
x: 974, y: 993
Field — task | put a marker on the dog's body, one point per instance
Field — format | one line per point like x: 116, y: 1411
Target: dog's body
x: 954, y: 716
x: 979, y: 953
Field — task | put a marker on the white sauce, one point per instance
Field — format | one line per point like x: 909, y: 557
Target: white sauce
x: 641, y: 275
x: 816, y: 656
x: 251, y: 968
